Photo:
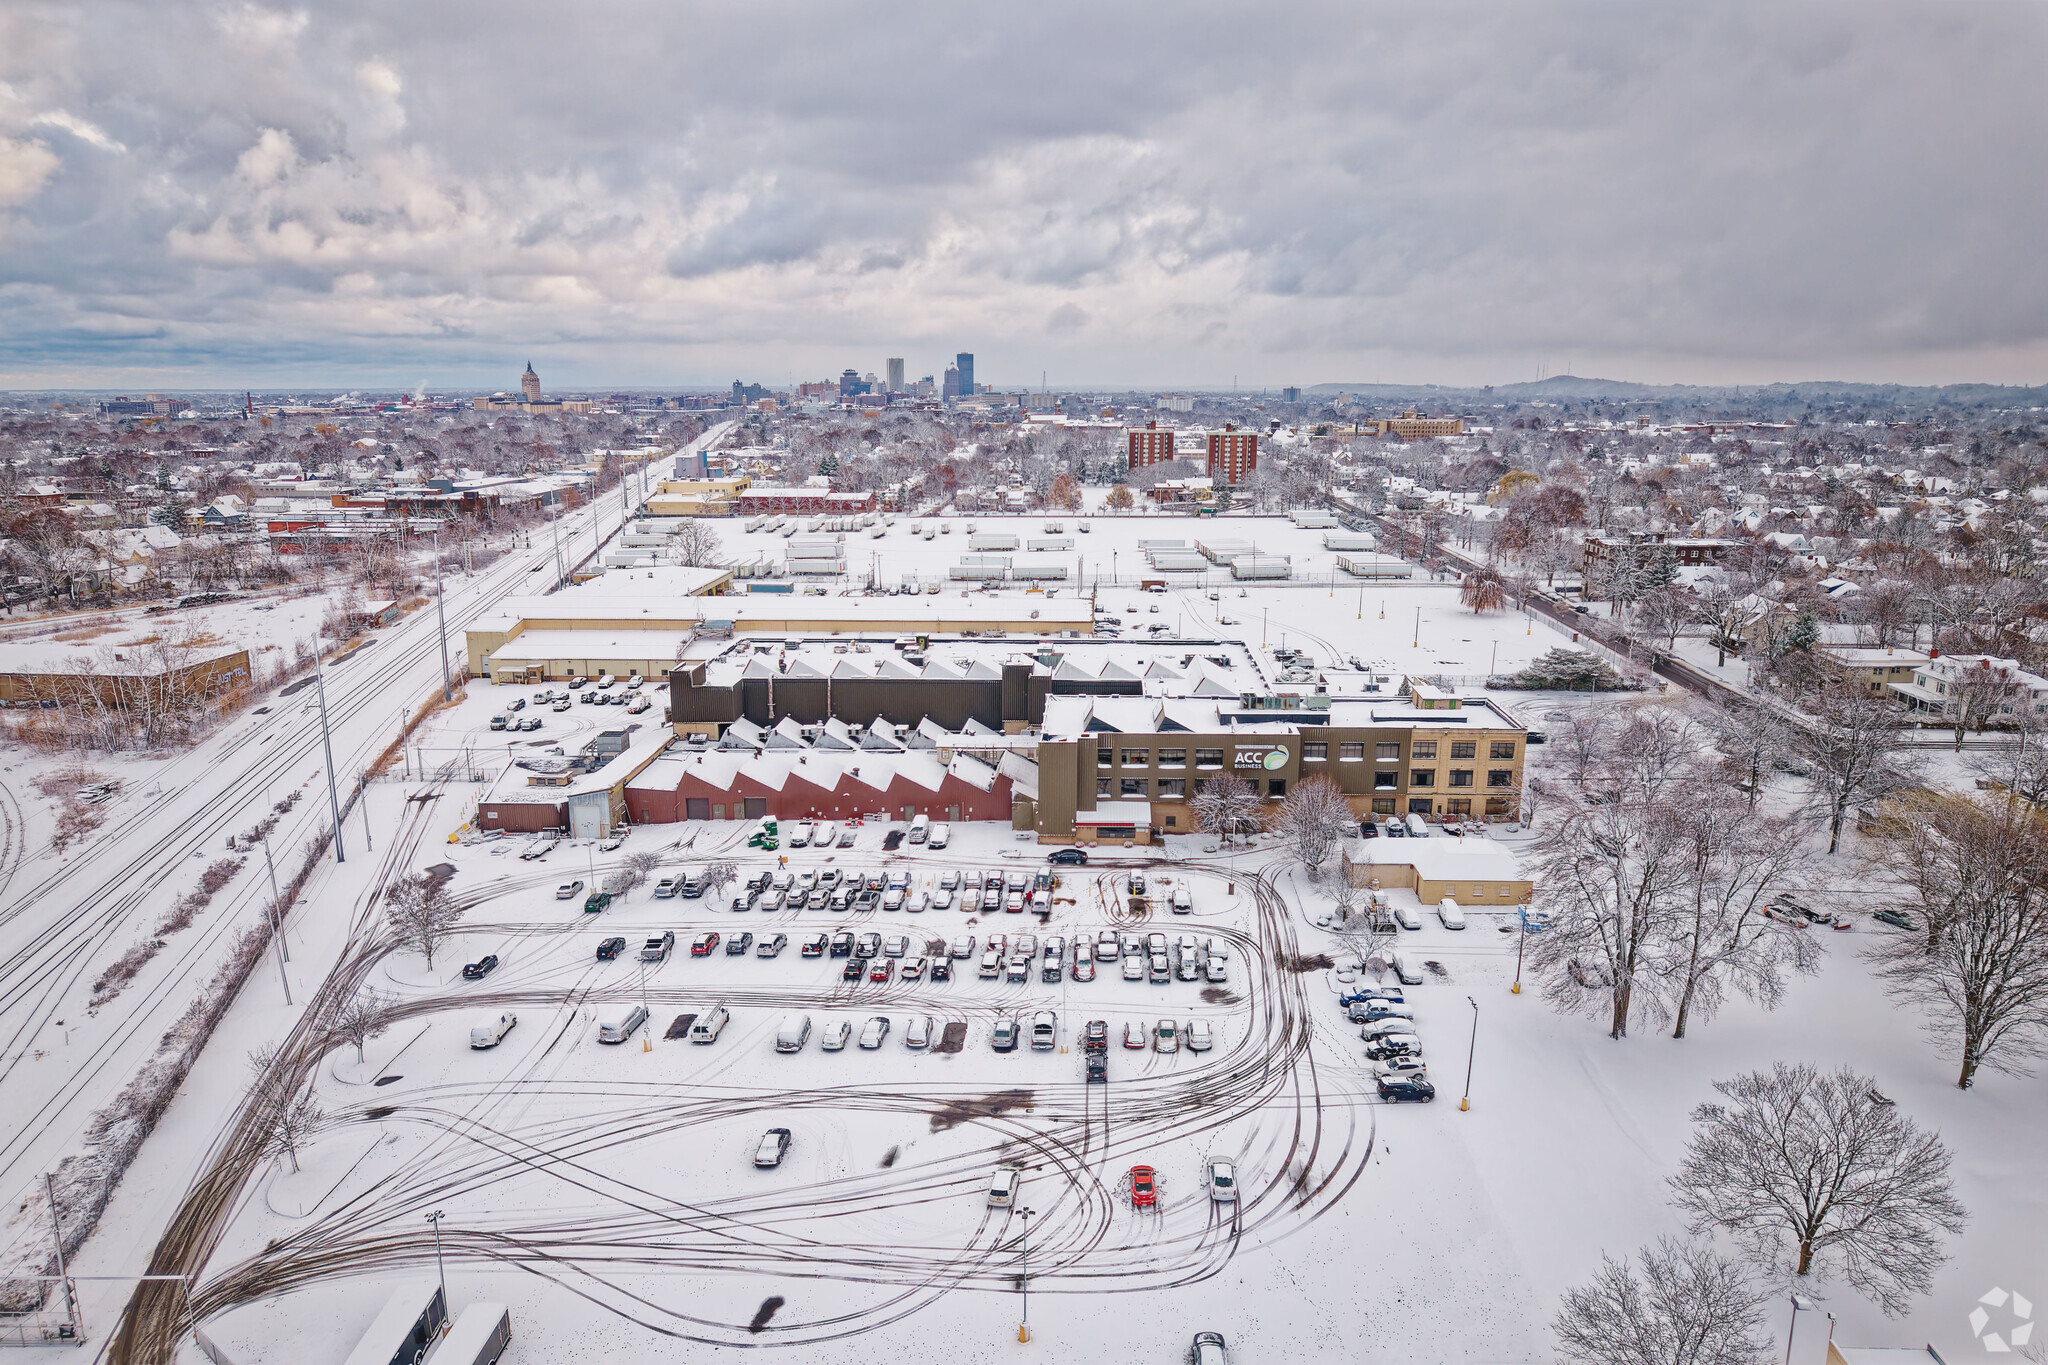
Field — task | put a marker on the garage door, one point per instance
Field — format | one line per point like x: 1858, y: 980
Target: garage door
x: 757, y: 807
x: 696, y: 808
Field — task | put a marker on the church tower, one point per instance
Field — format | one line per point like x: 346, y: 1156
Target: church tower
x: 529, y: 384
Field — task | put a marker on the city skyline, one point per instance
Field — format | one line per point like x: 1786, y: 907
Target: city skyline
x: 220, y: 197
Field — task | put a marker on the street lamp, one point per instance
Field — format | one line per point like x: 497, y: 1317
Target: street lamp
x: 1024, y: 1280
x: 327, y: 742
x: 1470, y: 1048
x: 435, y: 1218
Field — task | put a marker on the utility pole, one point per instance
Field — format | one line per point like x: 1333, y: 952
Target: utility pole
x: 277, y: 919
x: 555, y: 534
x: 441, y: 622
x: 327, y: 742
x: 63, y: 1272
x: 435, y: 1218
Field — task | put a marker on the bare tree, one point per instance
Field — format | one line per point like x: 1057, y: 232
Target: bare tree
x: 1753, y: 736
x: 1225, y: 805
x: 283, y: 1104
x: 1979, y: 869
x: 361, y: 1018
x: 1724, y: 607
x: 720, y: 874
x: 1484, y: 589
x: 1822, y: 1161
x: 2019, y: 765
x: 1735, y: 860
x: 420, y: 913
x: 635, y: 868
x: 1691, y: 1306
x: 1854, y: 749
x: 1665, y: 611
x: 697, y: 545
x: 1978, y: 692
x: 1612, y: 867
x: 1314, y: 818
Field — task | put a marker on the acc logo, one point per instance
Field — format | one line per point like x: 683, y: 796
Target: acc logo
x: 2022, y: 1312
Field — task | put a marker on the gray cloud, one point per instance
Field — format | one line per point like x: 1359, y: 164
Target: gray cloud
x: 230, y: 193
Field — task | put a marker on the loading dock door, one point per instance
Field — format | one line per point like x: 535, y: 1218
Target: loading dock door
x: 588, y: 815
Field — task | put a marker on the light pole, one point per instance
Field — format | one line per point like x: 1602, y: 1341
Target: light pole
x: 1522, y: 916
x: 441, y: 618
x: 1024, y: 1280
x: 435, y: 1218
x: 327, y: 741
x: 1470, y: 1048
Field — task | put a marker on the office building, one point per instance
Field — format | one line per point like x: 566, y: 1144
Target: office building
x: 952, y: 386
x: 964, y: 362
x: 895, y: 368
x: 1233, y: 455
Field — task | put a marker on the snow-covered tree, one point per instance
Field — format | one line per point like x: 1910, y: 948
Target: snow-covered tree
x: 362, y: 1017
x: 420, y: 913
x: 1735, y: 860
x: 1313, y: 818
x: 1225, y: 805
x: 1817, y: 1170
x: 283, y: 1104
x: 1690, y: 1305
x: 1853, y: 746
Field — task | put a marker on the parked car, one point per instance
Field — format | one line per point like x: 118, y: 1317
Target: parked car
x: 1166, y: 1036
x: 842, y: 943
x: 569, y: 891
x: 880, y: 968
x: 1003, y: 1187
x: 854, y: 970
x: 1406, y: 916
x: 1158, y: 969
x: 1898, y: 919
x: 492, y: 1032
x: 1208, y: 1349
x: 774, y: 1143
x: 481, y: 968
x: 736, y: 945
x: 610, y: 949
x: 1097, y: 1068
x: 1135, y: 1036
x: 702, y: 945
x: 1199, y: 1038
x: 833, y: 1039
x: 814, y: 945
x: 896, y: 945
x: 940, y: 970
x: 867, y: 945
x: 667, y: 888
x: 1068, y: 857
x: 1135, y: 884
x: 791, y: 1032
x: 800, y: 837
x: 1004, y: 1036
x: 1143, y: 1194
x: 961, y: 947
x: 1044, y: 1031
x: 656, y: 949
x: 917, y: 1034
x: 1405, y: 1088
x: 692, y: 887
x: 913, y: 969
x: 1182, y: 900
x: 874, y: 1031
x: 1223, y: 1181
x: 771, y: 945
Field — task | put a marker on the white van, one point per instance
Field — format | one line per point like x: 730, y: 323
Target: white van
x: 1003, y: 1187
x: 1407, y: 969
x: 621, y: 1024
x: 1449, y: 915
x: 920, y: 830
x: 793, y: 1033
x: 1418, y: 828
x: 709, y: 1024
x: 493, y: 1032
x: 941, y: 835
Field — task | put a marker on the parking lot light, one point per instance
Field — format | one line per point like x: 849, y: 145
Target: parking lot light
x: 1466, y: 1103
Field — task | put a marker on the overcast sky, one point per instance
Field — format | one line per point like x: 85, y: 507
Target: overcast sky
x: 664, y: 194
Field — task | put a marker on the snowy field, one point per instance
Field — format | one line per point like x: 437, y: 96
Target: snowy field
x: 607, y: 1193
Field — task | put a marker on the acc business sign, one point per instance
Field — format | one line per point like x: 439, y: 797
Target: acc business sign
x: 1271, y: 760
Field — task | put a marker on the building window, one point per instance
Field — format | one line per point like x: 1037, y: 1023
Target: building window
x: 1314, y: 750
x: 1386, y: 779
x: 1133, y: 786
x: 1500, y: 777
x: 1419, y: 805
x: 1422, y: 748
x: 1171, y: 821
x: 1208, y: 758
x: 1422, y: 777
x: 1383, y: 805
x: 1502, y: 749
x: 1461, y: 777
x: 1388, y: 753
x: 1104, y: 757
x: 1173, y: 758
x: 1173, y: 787
x: 1201, y: 785
x: 1459, y: 805
x: 1276, y: 786
x: 1103, y: 786
x: 1464, y: 748
x: 1496, y: 805
x: 1351, y: 753
x: 1137, y: 758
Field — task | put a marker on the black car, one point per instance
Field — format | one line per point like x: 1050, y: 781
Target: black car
x: 1071, y: 857
x: 737, y: 944
x: 1394, y: 1089
x: 842, y: 943
x: 1098, y: 1068
x: 481, y: 968
x: 610, y: 949
x: 941, y: 969
x: 853, y: 969
x: 1368, y: 830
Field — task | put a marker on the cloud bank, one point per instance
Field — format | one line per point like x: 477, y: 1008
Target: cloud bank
x: 641, y: 193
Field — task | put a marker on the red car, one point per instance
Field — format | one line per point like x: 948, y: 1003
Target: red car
x: 884, y: 968
x: 1142, y: 1195
x: 702, y: 945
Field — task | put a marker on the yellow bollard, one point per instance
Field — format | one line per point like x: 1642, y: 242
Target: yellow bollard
x: 1464, y: 1104
x: 1023, y: 1331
